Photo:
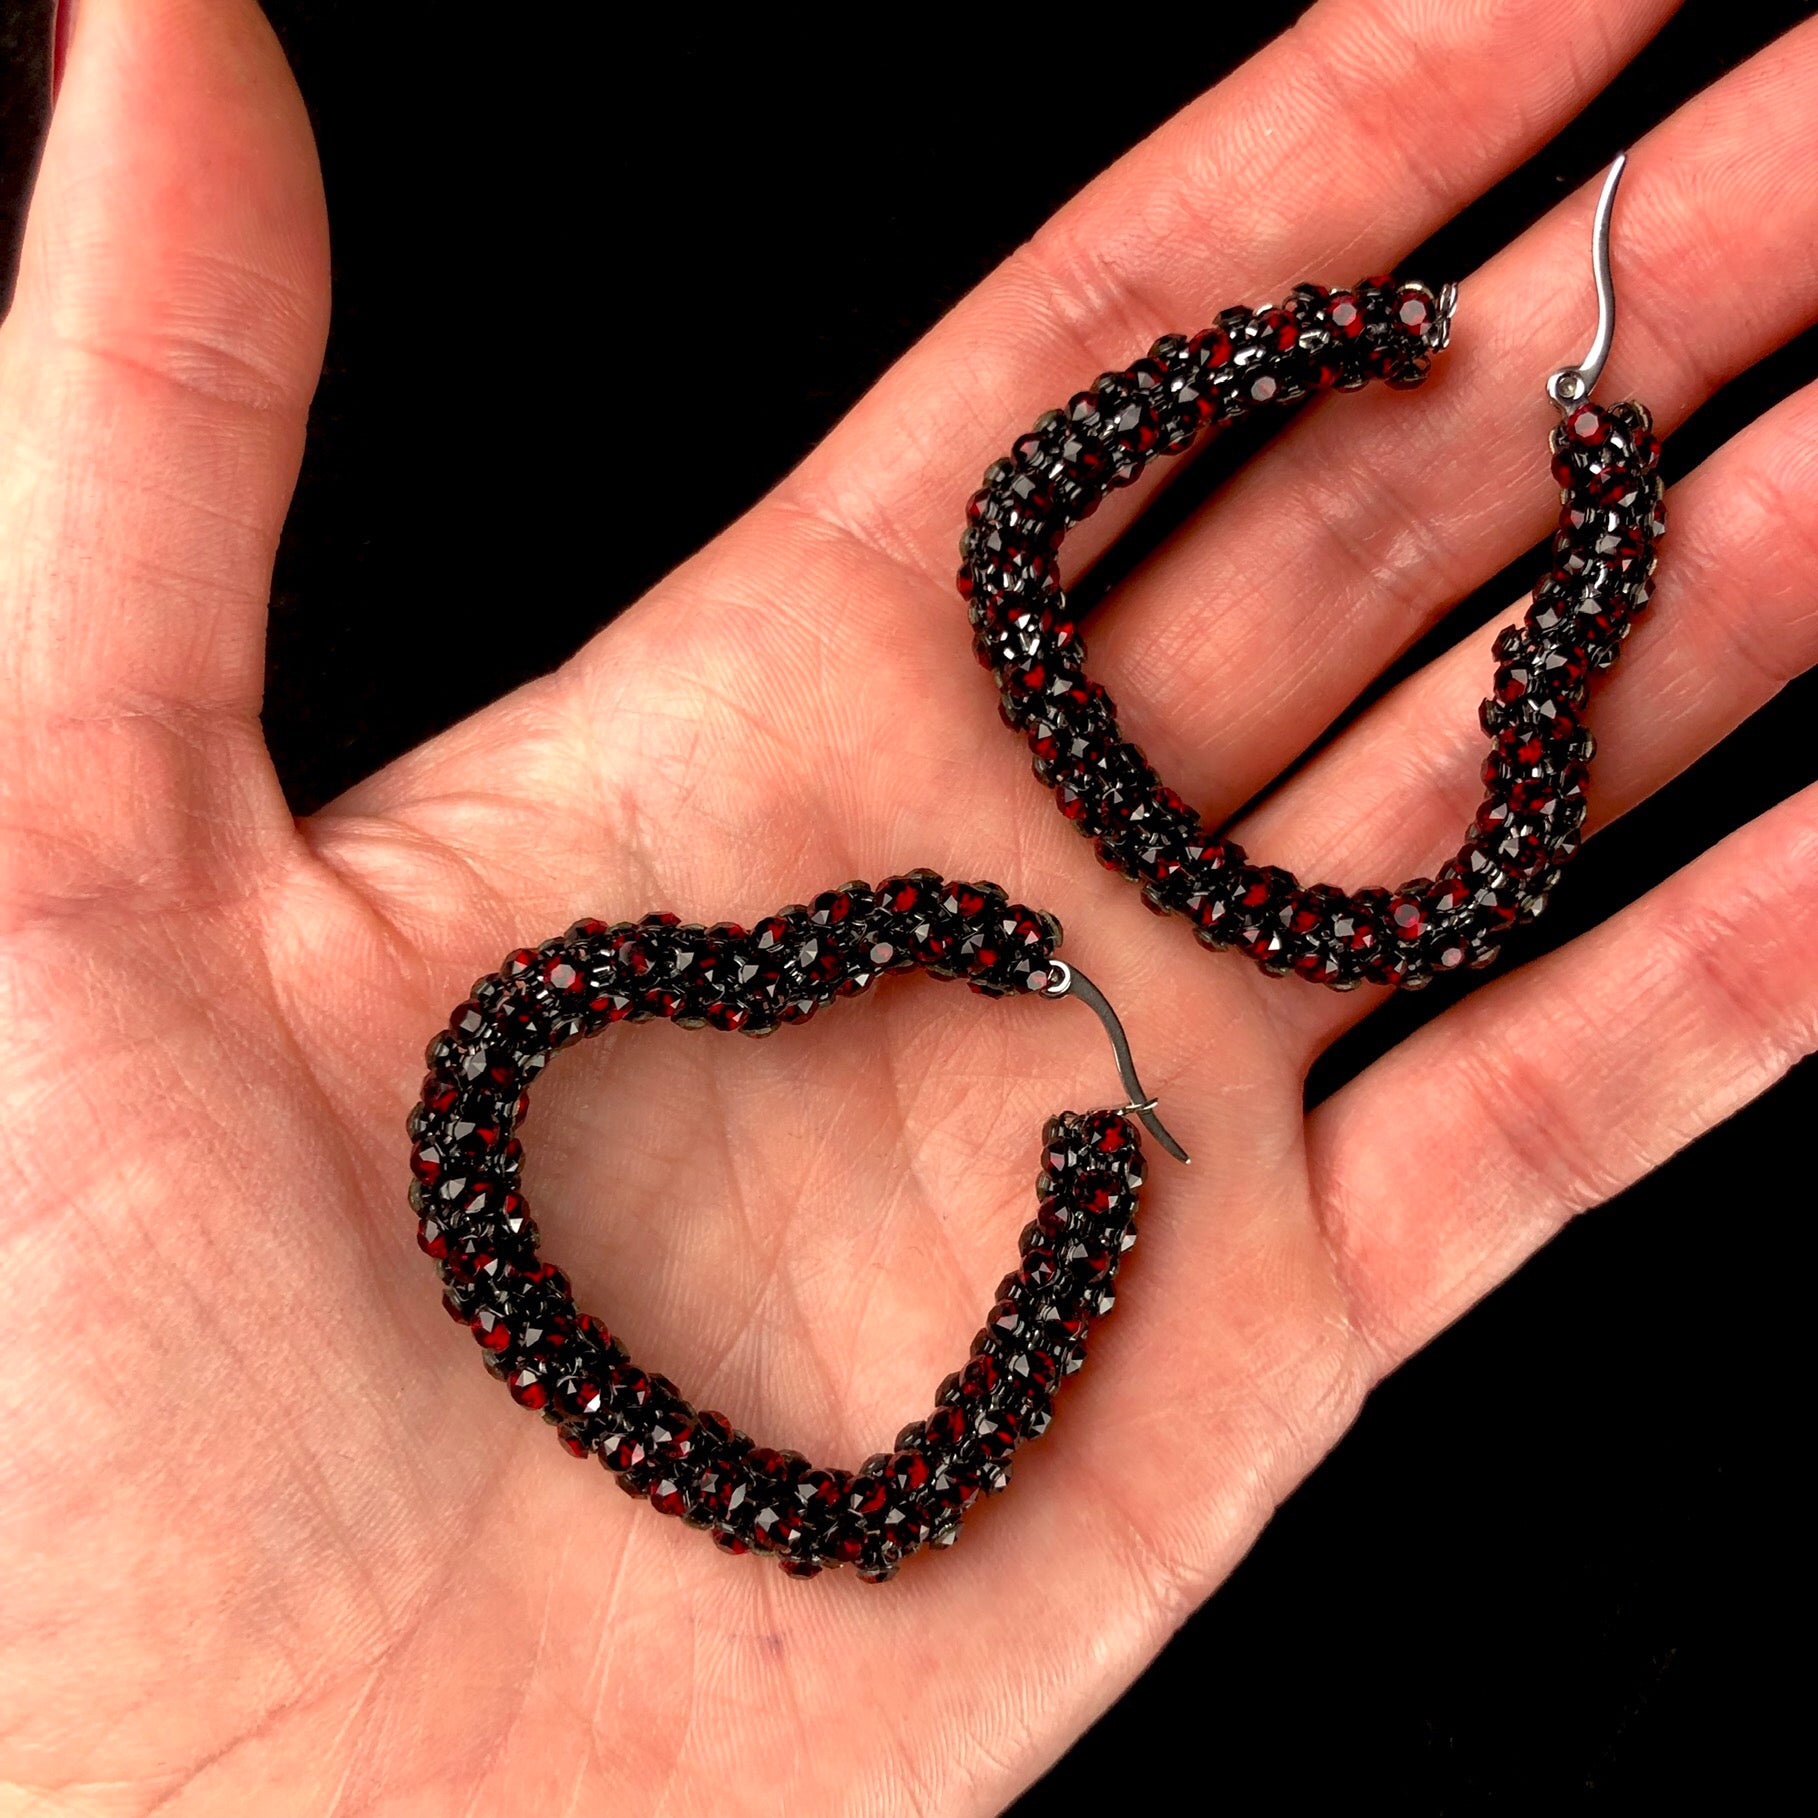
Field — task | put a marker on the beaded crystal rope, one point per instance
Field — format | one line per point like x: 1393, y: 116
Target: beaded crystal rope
x: 1527, y: 828
x: 474, y: 1222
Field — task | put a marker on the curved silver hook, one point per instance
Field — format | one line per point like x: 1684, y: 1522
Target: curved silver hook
x: 1066, y: 981
x: 1572, y: 384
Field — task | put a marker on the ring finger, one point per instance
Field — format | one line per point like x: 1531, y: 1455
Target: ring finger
x: 1247, y: 634
x: 1731, y: 623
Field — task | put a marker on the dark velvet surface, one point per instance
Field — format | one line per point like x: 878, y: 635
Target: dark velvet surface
x: 1550, y: 1565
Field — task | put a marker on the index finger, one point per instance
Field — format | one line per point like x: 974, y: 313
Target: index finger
x: 1344, y: 142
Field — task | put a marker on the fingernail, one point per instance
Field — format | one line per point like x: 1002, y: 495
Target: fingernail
x: 65, y: 22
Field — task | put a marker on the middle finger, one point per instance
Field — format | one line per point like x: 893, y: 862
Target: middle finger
x: 1249, y: 632
x: 1334, y: 144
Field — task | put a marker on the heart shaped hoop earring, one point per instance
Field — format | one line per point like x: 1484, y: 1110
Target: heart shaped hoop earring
x: 1603, y: 562
x: 474, y: 1222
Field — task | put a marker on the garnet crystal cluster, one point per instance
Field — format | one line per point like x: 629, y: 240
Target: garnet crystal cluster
x: 564, y: 1364
x: 1025, y: 633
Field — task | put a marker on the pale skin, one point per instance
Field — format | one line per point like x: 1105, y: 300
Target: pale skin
x: 270, y: 1539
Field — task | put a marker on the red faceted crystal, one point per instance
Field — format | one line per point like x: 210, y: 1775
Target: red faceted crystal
x: 946, y: 1427
x: 1588, y: 426
x: 1277, y: 330
x: 490, y: 1330
x: 667, y: 1496
x: 439, y: 1094
x: 1407, y: 917
x: 1414, y: 312
x: 1211, y: 348
x: 625, y: 1453
x: 1346, y: 315
x: 528, y: 1389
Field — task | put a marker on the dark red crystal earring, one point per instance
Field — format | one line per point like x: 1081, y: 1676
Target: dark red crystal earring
x: 1601, y: 575
x: 474, y: 1222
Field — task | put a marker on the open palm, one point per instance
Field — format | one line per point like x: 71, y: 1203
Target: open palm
x: 269, y: 1538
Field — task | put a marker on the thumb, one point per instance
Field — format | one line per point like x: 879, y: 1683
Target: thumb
x: 155, y: 377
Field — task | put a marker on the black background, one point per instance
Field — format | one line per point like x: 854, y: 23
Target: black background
x: 1549, y: 1566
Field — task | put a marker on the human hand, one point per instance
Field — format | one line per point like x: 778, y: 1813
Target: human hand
x: 271, y: 1535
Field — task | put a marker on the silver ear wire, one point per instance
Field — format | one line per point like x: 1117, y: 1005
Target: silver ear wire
x: 1571, y: 385
x: 1065, y: 981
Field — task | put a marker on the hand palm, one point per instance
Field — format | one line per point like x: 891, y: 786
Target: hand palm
x: 273, y: 1455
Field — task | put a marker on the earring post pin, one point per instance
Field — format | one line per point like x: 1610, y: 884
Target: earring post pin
x: 1069, y: 981
x: 1573, y: 384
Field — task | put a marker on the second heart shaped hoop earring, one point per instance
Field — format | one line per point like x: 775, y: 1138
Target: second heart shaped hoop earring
x: 566, y: 1365
x: 1603, y: 561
